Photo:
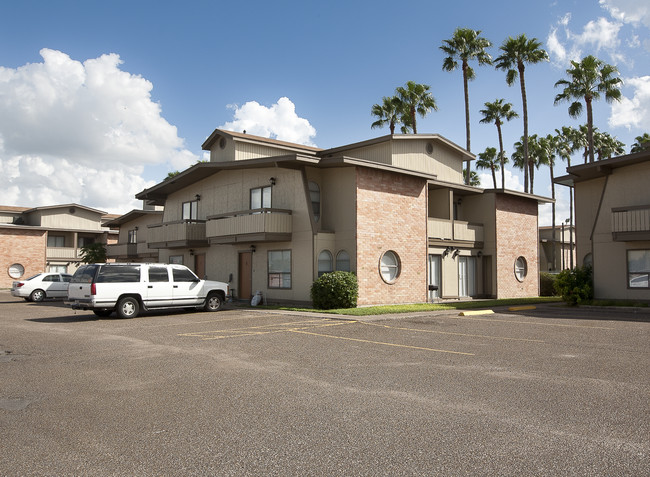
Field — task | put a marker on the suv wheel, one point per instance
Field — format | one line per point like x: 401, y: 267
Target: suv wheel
x: 128, y: 307
x: 213, y: 302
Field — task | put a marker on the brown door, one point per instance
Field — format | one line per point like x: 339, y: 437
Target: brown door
x: 245, y: 275
x: 199, y: 265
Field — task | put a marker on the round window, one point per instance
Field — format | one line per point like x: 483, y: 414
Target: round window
x: 16, y: 270
x: 521, y: 268
x: 389, y: 266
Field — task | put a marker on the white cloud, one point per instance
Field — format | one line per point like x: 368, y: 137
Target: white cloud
x: 628, y: 11
x: 512, y: 180
x: 634, y: 112
x: 80, y: 132
x: 279, y: 121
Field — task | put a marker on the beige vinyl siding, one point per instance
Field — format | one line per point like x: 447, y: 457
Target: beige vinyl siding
x: 444, y: 162
x: 63, y: 219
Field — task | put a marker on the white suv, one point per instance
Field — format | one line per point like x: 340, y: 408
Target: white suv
x: 127, y: 288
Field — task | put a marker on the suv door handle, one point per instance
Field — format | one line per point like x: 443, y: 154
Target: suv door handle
x: 150, y: 286
x: 175, y: 286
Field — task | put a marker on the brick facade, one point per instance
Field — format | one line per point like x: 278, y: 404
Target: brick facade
x: 26, y: 247
x: 391, y: 215
x: 516, y: 226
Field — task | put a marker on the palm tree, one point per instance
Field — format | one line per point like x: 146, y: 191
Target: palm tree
x: 642, y: 143
x: 494, y: 113
x: 548, y: 147
x: 388, y: 112
x: 488, y: 160
x: 474, y: 179
x: 415, y: 99
x: 534, y: 153
x: 589, y: 79
x: 607, y: 146
x: 466, y: 45
x: 517, y: 52
x: 567, y: 142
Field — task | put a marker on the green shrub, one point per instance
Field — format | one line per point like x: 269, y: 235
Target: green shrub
x: 335, y: 290
x: 575, y: 286
x: 547, y: 284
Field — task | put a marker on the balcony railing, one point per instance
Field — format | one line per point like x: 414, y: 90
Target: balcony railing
x: 443, y: 229
x: 178, y: 234
x: 65, y: 253
x: 130, y: 250
x: 258, y: 225
x: 631, y: 223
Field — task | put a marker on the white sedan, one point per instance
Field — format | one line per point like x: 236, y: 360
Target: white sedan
x: 41, y: 286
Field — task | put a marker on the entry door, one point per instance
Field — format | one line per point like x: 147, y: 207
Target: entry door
x: 245, y: 275
x: 434, y: 277
x: 466, y: 276
x: 199, y: 265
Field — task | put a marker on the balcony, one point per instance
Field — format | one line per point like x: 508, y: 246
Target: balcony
x: 631, y: 223
x: 178, y: 234
x: 258, y: 225
x: 130, y: 250
x: 456, y: 231
x: 63, y: 253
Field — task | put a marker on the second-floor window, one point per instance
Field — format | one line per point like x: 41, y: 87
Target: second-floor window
x: 191, y: 210
x: 314, y: 196
x: 261, y: 198
x: 55, y: 241
x: 133, y: 236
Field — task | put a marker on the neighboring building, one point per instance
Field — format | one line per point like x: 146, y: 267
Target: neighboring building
x: 47, y: 239
x: 131, y: 245
x: 612, y: 204
x: 272, y: 216
x: 564, y: 245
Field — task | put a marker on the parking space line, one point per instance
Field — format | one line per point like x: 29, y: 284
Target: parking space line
x: 381, y: 343
x: 454, y: 333
x: 528, y: 322
x: 260, y: 330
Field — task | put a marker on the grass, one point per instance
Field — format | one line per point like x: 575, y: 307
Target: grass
x: 389, y: 309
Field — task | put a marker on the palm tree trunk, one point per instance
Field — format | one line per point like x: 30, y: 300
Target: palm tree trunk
x: 503, y: 172
x: 553, y: 218
x: 415, y: 129
x: 524, y: 101
x: 571, y: 226
x: 532, y: 176
x: 590, y: 129
x: 466, y: 89
x: 494, y: 177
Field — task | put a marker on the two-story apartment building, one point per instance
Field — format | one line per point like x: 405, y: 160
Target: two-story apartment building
x: 612, y: 204
x: 131, y: 245
x: 50, y: 238
x: 272, y: 216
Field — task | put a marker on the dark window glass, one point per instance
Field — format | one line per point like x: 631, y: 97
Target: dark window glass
x: 51, y: 278
x: 158, y: 274
x: 84, y: 274
x: 119, y: 274
x: 66, y: 278
x: 183, y: 275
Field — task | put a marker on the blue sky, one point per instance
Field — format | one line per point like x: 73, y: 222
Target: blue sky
x: 99, y: 100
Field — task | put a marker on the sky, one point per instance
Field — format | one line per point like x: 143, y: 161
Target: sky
x: 100, y: 100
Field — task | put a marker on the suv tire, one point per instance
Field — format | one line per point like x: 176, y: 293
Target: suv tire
x: 213, y: 302
x: 128, y: 307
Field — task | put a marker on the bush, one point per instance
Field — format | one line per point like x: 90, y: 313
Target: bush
x: 335, y: 290
x: 575, y: 286
x: 547, y: 284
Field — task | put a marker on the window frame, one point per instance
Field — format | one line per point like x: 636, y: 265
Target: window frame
x: 266, y: 192
x: 397, y: 266
x: 327, y: 256
x: 132, y: 236
x: 524, y: 268
x: 193, y: 210
x: 629, y: 272
x: 282, y: 275
x: 314, y: 192
x: 338, y: 261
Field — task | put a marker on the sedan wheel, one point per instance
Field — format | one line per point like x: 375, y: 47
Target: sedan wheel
x: 37, y: 295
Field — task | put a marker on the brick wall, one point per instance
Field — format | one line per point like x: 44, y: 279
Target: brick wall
x: 26, y: 247
x: 516, y: 236
x: 391, y: 215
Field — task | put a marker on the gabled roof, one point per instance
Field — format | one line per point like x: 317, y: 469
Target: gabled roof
x: 400, y: 137
x: 243, y: 137
x: 593, y: 170
x: 62, y: 206
x: 132, y: 215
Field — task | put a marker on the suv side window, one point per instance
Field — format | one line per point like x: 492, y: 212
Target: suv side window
x: 158, y: 274
x: 119, y: 274
x: 183, y: 275
x: 84, y: 274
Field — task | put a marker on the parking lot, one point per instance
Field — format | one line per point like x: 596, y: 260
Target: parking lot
x: 550, y: 391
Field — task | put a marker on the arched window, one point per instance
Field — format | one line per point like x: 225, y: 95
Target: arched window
x: 343, y: 261
x: 324, y: 262
x: 389, y: 266
x: 521, y: 268
x: 314, y: 196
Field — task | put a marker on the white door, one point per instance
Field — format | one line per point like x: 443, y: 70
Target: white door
x: 466, y: 276
x: 159, y: 286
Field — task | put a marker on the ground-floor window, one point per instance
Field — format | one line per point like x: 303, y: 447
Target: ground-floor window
x: 325, y: 262
x: 389, y: 266
x: 343, y: 261
x: 279, y: 268
x: 466, y: 276
x: 638, y: 268
x: 57, y: 268
x: 434, y: 276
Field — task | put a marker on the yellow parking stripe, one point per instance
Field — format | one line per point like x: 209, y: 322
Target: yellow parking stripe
x: 456, y: 334
x: 382, y: 343
x: 259, y: 330
x: 529, y: 323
